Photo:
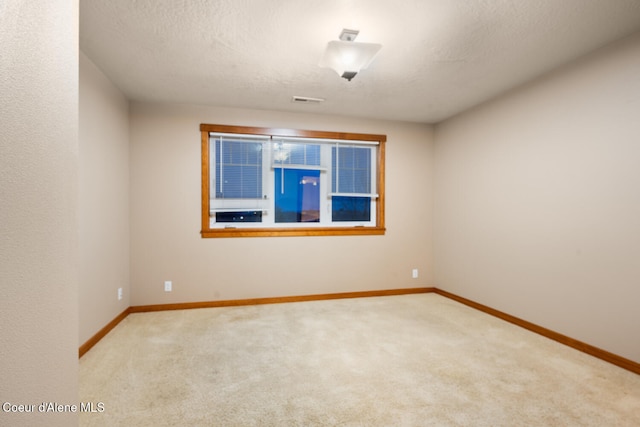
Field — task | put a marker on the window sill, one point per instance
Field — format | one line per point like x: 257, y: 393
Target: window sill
x: 291, y: 232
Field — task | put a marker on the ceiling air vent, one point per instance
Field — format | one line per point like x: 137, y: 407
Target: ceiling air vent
x: 306, y: 100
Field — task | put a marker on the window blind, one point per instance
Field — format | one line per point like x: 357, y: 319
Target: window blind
x: 351, y: 171
x: 287, y: 153
x: 238, y: 178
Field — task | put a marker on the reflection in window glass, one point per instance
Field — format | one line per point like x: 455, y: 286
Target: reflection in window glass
x: 297, y: 195
x: 248, y: 216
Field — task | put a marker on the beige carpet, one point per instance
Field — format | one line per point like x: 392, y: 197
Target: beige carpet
x: 413, y: 360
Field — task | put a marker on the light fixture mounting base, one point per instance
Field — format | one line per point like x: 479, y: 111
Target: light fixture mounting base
x: 348, y: 35
x: 349, y: 75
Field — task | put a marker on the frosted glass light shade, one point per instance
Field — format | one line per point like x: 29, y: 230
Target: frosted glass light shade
x: 348, y: 58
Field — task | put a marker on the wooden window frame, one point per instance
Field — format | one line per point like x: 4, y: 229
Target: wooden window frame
x: 207, y: 232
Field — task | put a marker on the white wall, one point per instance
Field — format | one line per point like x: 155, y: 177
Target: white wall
x: 165, y: 216
x: 38, y: 204
x: 103, y: 200
x: 537, y: 201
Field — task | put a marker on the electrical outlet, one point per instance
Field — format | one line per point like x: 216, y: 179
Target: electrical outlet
x: 167, y: 286
x: 119, y: 294
x: 414, y: 273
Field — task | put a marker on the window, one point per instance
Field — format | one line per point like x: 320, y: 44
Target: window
x: 282, y: 182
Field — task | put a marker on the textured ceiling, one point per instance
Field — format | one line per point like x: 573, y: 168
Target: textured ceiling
x: 439, y: 57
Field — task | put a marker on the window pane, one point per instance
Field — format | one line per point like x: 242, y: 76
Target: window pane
x: 296, y: 154
x: 351, y: 169
x: 350, y: 208
x: 312, y: 155
x: 297, y: 195
x: 288, y: 153
x: 249, y: 216
x: 238, y: 173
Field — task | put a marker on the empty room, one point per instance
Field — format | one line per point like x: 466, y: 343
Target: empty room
x: 355, y: 213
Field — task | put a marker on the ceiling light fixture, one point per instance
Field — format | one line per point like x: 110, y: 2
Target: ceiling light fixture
x: 348, y: 57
